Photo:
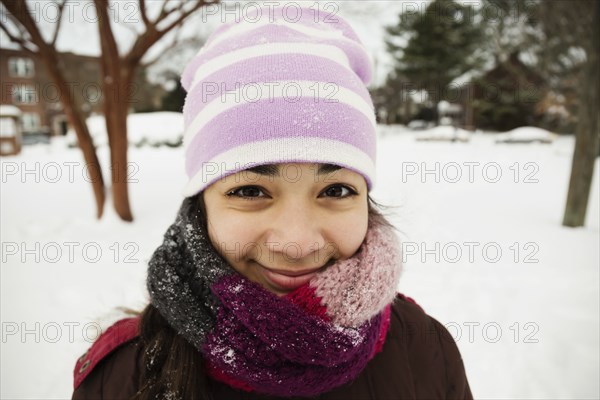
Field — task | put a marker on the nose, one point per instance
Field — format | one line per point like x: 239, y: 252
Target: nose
x: 295, y: 233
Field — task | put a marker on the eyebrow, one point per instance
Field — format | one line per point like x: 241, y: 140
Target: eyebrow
x: 273, y: 170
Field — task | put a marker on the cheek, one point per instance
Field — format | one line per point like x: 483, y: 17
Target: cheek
x: 231, y: 236
x: 349, y: 233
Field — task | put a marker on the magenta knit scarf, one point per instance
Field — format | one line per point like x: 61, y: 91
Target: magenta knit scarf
x: 308, y: 342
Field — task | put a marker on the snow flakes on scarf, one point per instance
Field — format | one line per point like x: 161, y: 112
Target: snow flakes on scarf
x: 257, y: 341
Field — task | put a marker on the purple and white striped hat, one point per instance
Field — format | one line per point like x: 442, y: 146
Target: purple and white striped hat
x: 281, y: 85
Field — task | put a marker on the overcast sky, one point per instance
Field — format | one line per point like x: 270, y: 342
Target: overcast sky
x: 79, y: 32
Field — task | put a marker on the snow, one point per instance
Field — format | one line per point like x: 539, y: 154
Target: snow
x: 143, y: 128
x: 526, y: 134
x: 444, y: 133
x: 8, y: 127
x: 541, y: 293
x: 445, y: 107
x: 9, y: 111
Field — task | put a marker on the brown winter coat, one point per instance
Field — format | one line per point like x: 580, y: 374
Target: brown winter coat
x: 419, y: 360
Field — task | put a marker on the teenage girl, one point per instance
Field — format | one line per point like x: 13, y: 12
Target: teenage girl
x: 278, y: 278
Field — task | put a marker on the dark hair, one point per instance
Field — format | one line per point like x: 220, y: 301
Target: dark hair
x: 172, y: 366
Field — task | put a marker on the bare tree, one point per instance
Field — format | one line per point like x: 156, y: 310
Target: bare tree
x: 563, y: 37
x: 576, y: 24
x: 118, y: 72
x: 29, y: 38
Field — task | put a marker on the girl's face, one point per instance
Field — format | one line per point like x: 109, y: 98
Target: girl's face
x: 278, y: 224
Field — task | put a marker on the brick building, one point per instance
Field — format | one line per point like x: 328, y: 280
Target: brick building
x: 25, y: 84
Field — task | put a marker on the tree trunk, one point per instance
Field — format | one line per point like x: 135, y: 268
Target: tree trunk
x: 86, y: 144
x: 118, y: 151
x: 116, y: 101
x: 75, y: 118
x: 587, y: 133
x: 117, y: 75
x: 47, y: 53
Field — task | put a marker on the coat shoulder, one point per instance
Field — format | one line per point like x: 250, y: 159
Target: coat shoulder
x: 425, y: 337
x: 102, y: 366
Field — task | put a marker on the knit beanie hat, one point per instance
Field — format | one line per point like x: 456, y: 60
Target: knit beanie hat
x: 283, y: 84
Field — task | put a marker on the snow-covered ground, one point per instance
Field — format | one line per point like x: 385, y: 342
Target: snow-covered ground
x: 484, y: 250
x: 143, y: 128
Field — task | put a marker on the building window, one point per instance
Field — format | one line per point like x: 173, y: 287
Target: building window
x: 31, y: 122
x: 24, y: 94
x: 20, y: 66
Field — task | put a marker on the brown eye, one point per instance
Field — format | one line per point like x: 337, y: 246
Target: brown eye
x: 246, y: 192
x: 339, y: 191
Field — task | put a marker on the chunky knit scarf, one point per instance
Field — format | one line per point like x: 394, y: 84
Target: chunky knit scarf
x: 316, y: 338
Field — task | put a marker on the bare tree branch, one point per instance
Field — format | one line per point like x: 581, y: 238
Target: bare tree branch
x: 21, y: 42
x: 164, y: 13
x: 185, y: 14
x: 143, y: 12
x: 24, y: 38
x: 174, y: 43
x: 152, y: 35
x: 131, y: 28
x: 25, y: 23
x: 49, y: 56
x: 108, y: 44
x: 23, y: 33
x: 61, y: 6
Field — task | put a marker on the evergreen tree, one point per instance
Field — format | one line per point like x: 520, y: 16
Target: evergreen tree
x: 175, y: 98
x: 434, y: 47
x: 564, y: 38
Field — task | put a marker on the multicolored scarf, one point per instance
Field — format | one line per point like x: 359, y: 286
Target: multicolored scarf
x: 308, y: 342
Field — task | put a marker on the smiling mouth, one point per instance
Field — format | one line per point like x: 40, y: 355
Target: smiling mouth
x: 300, y: 272
x: 293, y: 273
x: 289, y: 280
